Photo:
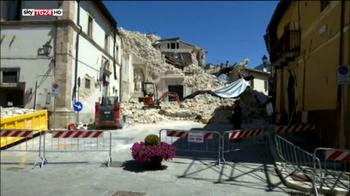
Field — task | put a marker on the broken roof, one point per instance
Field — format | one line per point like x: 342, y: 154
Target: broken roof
x: 177, y: 39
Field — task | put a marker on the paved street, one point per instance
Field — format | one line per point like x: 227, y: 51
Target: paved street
x: 180, y: 177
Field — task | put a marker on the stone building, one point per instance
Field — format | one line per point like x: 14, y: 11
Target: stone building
x: 180, y: 53
x: 307, y: 41
x: 79, y: 51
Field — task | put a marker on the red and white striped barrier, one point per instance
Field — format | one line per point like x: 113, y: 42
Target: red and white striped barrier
x: 177, y: 133
x: 77, y: 134
x: 338, y: 155
x: 245, y: 133
x: 16, y: 133
x: 295, y: 128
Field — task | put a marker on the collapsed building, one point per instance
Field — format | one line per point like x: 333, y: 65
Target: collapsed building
x: 176, y: 66
x: 144, y: 62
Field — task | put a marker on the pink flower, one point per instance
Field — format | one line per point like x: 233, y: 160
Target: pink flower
x: 144, y: 153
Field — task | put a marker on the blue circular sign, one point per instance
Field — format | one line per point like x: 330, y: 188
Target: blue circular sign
x: 343, y: 70
x: 77, y: 106
x: 55, y: 86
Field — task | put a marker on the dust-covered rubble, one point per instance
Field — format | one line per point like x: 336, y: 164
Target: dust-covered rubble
x: 13, y: 111
x: 203, y: 108
x: 141, y: 46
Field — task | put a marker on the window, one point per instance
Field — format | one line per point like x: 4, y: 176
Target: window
x: 172, y: 45
x: 87, y: 83
x: 168, y: 45
x: 324, y: 4
x: 10, y: 76
x: 177, y: 45
x: 90, y: 26
x: 107, y: 42
x: 14, y: 10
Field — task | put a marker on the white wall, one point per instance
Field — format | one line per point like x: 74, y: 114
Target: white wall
x: 100, y: 24
x: 19, y: 49
x: 90, y: 60
x: 259, y: 85
x: 127, y: 76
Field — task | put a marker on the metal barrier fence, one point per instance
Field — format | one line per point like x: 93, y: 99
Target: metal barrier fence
x: 294, y: 158
x: 194, y: 143
x: 26, y: 145
x: 66, y: 141
x: 332, y: 170
x: 235, y: 140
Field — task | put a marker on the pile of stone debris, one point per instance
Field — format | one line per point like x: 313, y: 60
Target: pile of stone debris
x: 140, y: 45
x: 204, y: 108
x: 6, y: 112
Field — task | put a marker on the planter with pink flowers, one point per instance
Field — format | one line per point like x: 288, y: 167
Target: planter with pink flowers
x: 152, y: 152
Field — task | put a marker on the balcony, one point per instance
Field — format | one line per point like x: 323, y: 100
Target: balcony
x: 287, y: 47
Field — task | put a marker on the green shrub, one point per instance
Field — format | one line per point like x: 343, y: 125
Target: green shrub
x: 152, y: 140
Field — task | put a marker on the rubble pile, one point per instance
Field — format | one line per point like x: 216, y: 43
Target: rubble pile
x: 136, y: 115
x: 204, y: 108
x: 13, y: 111
x: 140, y: 45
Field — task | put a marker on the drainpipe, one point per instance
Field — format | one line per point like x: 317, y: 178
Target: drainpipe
x: 114, y: 62
x: 121, y: 67
x: 74, y: 96
x: 341, y: 88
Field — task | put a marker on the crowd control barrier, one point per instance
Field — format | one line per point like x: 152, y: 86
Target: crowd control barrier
x: 195, y: 143
x: 70, y: 142
x: 331, y: 171
x: 27, y: 145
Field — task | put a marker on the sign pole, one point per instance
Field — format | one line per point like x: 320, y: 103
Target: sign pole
x: 54, y: 112
x: 55, y: 91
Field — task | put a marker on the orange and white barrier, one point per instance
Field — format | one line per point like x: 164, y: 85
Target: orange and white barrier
x: 338, y: 155
x: 77, y: 134
x: 295, y: 128
x: 16, y: 133
x: 245, y: 133
x: 178, y: 133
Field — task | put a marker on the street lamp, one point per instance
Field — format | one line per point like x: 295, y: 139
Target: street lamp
x: 45, y: 50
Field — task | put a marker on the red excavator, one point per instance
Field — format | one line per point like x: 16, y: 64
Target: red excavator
x: 149, y: 91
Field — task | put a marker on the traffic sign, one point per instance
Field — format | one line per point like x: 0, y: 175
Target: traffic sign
x: 77, y: 106
x: 55, y: 90
x: 343, y: 74
x: 195, y: 137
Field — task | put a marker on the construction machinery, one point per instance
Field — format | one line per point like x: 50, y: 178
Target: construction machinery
x: 149, y: 101
x: 108, y: 113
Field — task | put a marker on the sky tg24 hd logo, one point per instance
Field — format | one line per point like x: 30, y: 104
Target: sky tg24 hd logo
x: 42, y: 12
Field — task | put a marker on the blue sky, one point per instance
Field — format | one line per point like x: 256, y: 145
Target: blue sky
x: 227, y: 30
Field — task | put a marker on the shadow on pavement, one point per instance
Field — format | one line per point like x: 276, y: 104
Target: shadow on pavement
x: 137, y: 167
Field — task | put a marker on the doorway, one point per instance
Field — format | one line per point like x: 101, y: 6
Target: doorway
x: 179, y: 89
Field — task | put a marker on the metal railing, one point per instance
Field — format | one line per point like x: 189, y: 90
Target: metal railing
x: 332, y: 170
x: 194, y: 143
x: 66, y: 141
x: 235, y: 140
x: 28, y: 144
x: 294, y: 158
